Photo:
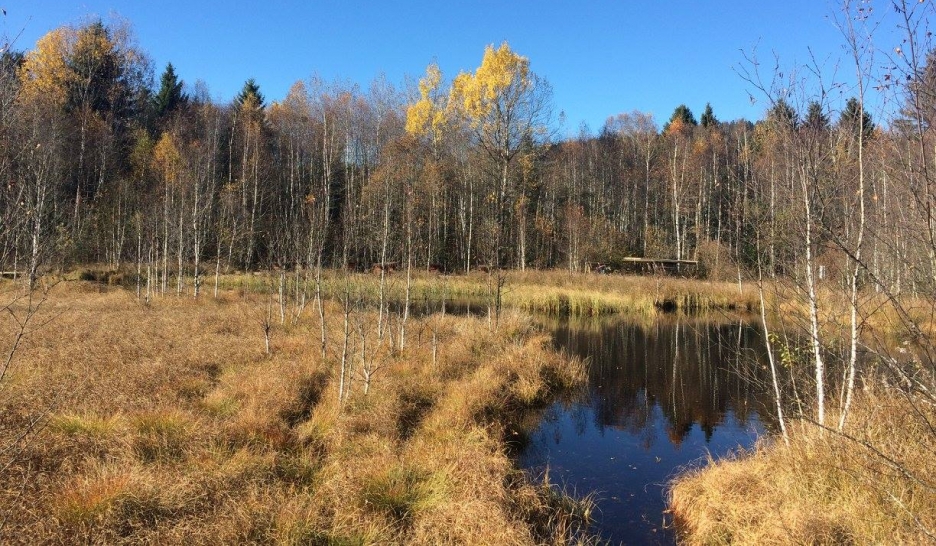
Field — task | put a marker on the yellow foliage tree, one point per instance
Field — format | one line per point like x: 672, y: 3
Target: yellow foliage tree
x: 167, y: 160
x: 506, y: 107
x: 79, y: 67
x: 427, y: 116
x: 44, y: 73
x: 499, y: 69
x: 502, y: 102
x: 93, y: 76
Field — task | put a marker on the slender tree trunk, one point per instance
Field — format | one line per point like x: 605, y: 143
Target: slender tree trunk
x: 383, y: 262
x: 347, y: 335
x: 139, y: 258
x: 253, y: 212
x: 282, y: 296
x: 165, y: 251
x: 409, y: 271
x: 676, y: 202
x: 181, y: 248
x: 217, y: 276
x: 856, y: 254
x: 76, y: 221
x: 470, y: 226
x: 770, y: 354
x: 196, y: 251
x: 319, y: 303
x: 406, y: 300
x: 813, y: 305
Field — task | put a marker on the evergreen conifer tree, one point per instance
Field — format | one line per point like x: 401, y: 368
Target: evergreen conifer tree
x: 708, y: 118
x: 816, y: 119
x: 850, y: 116
x: 683, y: 115
x: 170, y: 96
x: 250, y: 94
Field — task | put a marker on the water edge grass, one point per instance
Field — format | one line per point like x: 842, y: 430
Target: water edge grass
x: 546, y: 292
x: 871, y: 484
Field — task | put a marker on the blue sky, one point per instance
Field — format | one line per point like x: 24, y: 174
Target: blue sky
x: 601, y: 57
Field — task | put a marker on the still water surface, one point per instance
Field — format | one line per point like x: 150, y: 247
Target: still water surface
x: 660, y: 396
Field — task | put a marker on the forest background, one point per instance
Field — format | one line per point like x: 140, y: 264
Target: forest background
x: 105, y: 165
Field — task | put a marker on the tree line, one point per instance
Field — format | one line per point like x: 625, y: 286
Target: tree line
x: 100, y: 165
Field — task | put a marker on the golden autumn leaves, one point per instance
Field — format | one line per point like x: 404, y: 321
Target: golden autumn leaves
x: 44, y: 72
x: 503, y: 110
x: 427, y: 115
x: 167, y: 158
x: 502, y: 74
x: 68, y: 60
x: 480, y: 99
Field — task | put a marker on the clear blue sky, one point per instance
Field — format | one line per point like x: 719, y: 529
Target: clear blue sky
x: 601, y: 57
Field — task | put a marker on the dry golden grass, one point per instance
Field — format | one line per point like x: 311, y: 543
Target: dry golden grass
x: 553, y: 292
x: 167, y: 423
x: 882, y: 323
x: 588, y: 294
x: 873, y: 485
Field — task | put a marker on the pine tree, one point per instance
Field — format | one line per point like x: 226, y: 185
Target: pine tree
x: 708, y: 118
x: 783, y: 115
x: 170, y: 96
x: 816, y: 119
x: 850, y: 116
x: 250, y: 95
x: 683, y: 115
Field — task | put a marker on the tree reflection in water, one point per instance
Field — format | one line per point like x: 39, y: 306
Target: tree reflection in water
x: 661, y: 395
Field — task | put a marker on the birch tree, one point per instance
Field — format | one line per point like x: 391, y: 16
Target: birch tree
x: 506, y: 107
x: 859, y: 45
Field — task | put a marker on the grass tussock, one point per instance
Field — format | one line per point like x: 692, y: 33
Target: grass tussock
x: 871, y: 485
x: 168, y: 423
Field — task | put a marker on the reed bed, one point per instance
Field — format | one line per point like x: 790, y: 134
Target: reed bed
x: 544, y: 292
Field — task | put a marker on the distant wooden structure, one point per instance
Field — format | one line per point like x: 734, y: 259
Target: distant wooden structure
x: 659, y: 265
x: 387, y: 267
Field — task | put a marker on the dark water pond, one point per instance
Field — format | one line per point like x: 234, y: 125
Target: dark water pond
x: 660, y: 396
